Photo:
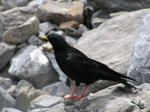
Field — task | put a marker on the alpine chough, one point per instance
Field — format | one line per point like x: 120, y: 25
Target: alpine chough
x: 78, y: 67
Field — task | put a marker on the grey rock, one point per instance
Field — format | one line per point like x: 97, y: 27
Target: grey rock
x: 57, y: 13
x: 119, y: 5
x: 34, y: 40
x: 115, y: 33
x: 82, y: 28
x: 21, y: 33
x: 4, y: 71
x: 57, y: 108
x: 23, y: 101
x: 22, y: 84
x: 73, y: 32
x: 22, y: 3
x: 45, y: 27
x: 72, y: 41
x: 6, y: 99
x: 5, y: 83
x: 51, y: 57
x: 1, y: 29
x: 139, y: 63
x: 39, y: 110
x: 8, y: 4
x: 99, y: 17
x: 16, y: 16
x: 7, y: 52
x: 114, y: 98
x: 10, y: 110
x: 58, y: 89
x: 36, y: 3
x: 45, y: 101
x: 32, y: 65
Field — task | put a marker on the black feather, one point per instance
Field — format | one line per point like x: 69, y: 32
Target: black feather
x: 78, y: 67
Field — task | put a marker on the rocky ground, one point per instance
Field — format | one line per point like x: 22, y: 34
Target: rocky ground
x: 116, y: 33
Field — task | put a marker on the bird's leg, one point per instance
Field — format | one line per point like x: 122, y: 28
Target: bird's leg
x: 72, y: 94
x: 83, y: 94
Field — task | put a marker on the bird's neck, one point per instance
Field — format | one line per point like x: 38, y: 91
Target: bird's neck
x: 60, y: 46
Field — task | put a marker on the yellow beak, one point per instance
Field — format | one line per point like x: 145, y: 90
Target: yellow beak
x: 44, y: 38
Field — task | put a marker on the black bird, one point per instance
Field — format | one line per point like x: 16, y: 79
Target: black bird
x: 78, y: 67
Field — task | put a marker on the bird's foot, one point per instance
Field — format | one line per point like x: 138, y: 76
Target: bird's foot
x: 69, y: 97
x: 79, y: 97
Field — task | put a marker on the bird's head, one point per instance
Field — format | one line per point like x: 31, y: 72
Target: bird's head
x: 56, y: 40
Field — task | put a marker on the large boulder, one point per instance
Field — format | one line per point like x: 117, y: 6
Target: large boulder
x: 60, y: 12
x: 6, y: 53
x: 6, y: 99
x: 119, y: 5
x: 114, y: 99
x: 22, y: 32
x: 112, y: 42
x: 32, y: 65
x: 140, y: 60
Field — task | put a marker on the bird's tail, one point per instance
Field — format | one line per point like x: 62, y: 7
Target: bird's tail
x: 128, y: 84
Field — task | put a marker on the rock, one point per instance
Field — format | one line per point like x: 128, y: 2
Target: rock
x: 16, y: 16
x: 10, y: 110
x: 1, y: 29
x: 73, y: 32
x: 51, y: 57
x: 45, y: 101
x: 57, y: 108
x: 119, y: 5
x: 139, y: 63
x: 45, y: 27
x: 22, y: 3
x: 4, y: 71
x: 57, y: 89
x: 25, y: 93
x: 115, y: 33
x: 5, y: 83
x: 6, y: 99
x: 34, y: 40
x: 8, y: 4
x: 23, y: 85
x: 23, y: 101
x: 57, y: 13
x: 36, y: 3
x: 99, y: 17
x: 47, y: 47
x: 36, y: 93
x: 70, y: 24
x: 40, y: 110
x: 11, y: 90
x: 72, y: 41
x: 20, y: 34
x: 114, y: 98
x: 32, y: 65
x: 82, y: 28
x: 7, y: 52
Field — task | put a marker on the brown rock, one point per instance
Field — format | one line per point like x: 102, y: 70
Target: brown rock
x: 57, y: 13
x: 70, y: 24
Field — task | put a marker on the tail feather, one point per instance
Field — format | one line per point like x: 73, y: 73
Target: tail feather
x: 128, y: 84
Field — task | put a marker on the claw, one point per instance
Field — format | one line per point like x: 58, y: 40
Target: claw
x: 69, y: 97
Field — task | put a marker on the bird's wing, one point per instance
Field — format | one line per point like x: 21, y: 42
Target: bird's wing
x: 81, y: 62
x: 112, y: 71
